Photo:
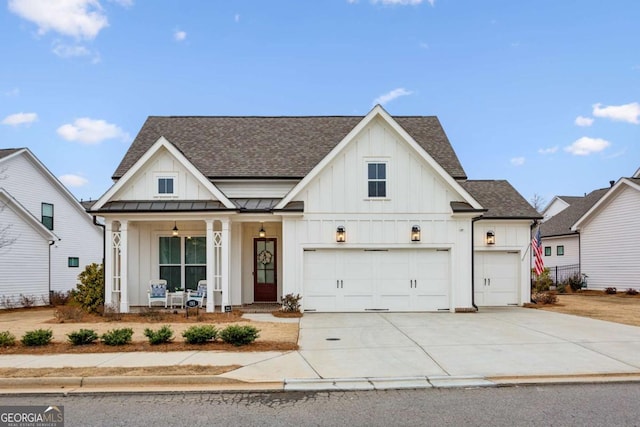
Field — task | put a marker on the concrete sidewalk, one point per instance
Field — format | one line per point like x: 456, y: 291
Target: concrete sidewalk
x: 384, y: 350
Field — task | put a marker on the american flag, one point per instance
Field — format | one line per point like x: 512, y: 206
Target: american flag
x: 536, y: 247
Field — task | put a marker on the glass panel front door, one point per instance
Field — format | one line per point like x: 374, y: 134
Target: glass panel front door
x: 265, y: 276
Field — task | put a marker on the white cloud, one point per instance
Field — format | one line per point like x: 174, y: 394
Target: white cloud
x: 76, y: 18
x: 72, y: 51
x: 585, y: 146
x: 73, y: 180
x: 179, y: 35
x: 13, y: 92
x: 549, y: 150
x: 390, y: 96
x: 621, y: 113
x: 517, y: 161
x: 123, y: 3
x: 583, y: 121
x: 90, y: 131
x: 19, y: 119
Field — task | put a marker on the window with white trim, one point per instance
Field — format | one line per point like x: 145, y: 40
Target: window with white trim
x: 182, y: 261
x: 377, y: 179
x: 165, y: 186
x: 47, y: 215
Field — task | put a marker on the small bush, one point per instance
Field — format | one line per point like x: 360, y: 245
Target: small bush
x: 631, y: 291
x: 291, y: 303
x: 58, y: 298
x: 37, y: 337
x: 7, y: 339
x: 561, y: 288
x: 574, y: 282
x: 239, y: 335
x: 117, y: 336
x: 68, y: 313
x: 82, y: 336
x: 545, y: 298
x: 610, y: 290
x: 90, y: 291
x: 27, y: 301
x: 200, y: 334
x: 541, y: 283
x: 161, y: 336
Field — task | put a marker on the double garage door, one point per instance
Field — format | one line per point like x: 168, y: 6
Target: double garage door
x: 360, y: 280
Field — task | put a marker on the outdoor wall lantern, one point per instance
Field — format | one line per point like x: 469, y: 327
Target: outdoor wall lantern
x: 175, y: 229
x: 262, y: 233
x: 491, y: 238
x: 415, y: 233
x: 341, y: 234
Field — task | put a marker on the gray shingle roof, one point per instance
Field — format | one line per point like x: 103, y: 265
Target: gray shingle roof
x: 500, y: 199
x: 272, y: 147
x: 4, y: 152
x: 560, y: 224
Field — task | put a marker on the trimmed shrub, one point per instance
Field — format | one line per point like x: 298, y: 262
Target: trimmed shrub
x: 541, y: 283
x: 117, y: 336
x: 545, y: 298
x: 161, y: 336
x: 610, y: 290
x: 631, y: 291
x: 200, y: 334
x: 574, y: 282
x: 7, y: 339
x: 239, y: 335
x: 37, y: 337
x: 82, y: 336
x: 90, y: 291
x: 291, y: 303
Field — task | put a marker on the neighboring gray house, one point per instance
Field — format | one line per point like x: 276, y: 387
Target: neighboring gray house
x: 610, y: 235
x: 352, y: 213
x: 46, y: 236
x: 561, y: 244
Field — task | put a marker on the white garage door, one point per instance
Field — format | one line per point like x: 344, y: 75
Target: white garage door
x: 496, y: 278
x: 393, y: 279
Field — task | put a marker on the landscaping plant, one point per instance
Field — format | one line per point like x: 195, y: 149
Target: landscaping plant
x: 291, y: 303
x: 68, y: 313
x: 200, y: 334
x: 82, y: 336
x: 37, y: 337
x: 239, y: 335
x: 117, y: 336
x: 7, y: 339
x: 610, y: 290
x: 545, y: 298
x: 160, y: 336
x: 90, y: 291
x: 631, y: 291
x: 542, y: 283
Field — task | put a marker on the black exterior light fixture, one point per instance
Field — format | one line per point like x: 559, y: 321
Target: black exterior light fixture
x: 341, y: 234
x: 415, y: 233
x: 262, y: 233
x: 491, y: 238
x: 174, y: 232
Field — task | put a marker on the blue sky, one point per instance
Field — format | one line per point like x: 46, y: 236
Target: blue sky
x: 545, y: 93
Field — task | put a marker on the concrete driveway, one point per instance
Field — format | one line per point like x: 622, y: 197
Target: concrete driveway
x: 490, y: 343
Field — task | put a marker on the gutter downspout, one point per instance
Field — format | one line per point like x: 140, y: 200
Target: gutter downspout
x: 51, y: 243
x: 473, y: 264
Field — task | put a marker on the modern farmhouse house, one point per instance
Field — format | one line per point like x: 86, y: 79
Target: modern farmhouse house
x: 352, y: 213
x: 46, y: 236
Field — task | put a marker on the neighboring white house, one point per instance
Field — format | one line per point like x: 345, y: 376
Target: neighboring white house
x: 609, y: 236
x: 352, y: 213
x: 46, y: 236
x: 561, y: 244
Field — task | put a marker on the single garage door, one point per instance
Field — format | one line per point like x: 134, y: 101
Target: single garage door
x: 496, y: 278
x: 389, y: 279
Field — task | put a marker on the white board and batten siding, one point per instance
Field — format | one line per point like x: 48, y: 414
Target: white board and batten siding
x: 610, y: 250
x: 378, y: 244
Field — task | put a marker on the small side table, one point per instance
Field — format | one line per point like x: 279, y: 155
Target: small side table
x: 176, y: 297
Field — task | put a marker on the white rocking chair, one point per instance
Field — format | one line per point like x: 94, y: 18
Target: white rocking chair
x: 158, y: 292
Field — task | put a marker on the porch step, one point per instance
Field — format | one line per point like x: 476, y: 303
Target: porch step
x: 259, y: 307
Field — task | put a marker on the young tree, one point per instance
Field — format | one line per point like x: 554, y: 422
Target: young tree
x: 538, y: 202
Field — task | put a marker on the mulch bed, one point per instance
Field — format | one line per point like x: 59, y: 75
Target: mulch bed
x: 69, y: 314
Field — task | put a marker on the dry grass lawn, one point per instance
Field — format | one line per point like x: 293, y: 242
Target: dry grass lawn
x: 619, y: 308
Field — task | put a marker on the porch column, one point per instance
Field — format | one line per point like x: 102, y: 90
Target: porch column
x: 210, y: 267
x: 224, y: 270
x: 108, y: 263
x: 124, y: 267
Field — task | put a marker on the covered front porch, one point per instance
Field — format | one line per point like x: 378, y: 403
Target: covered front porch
x: 239, y: 256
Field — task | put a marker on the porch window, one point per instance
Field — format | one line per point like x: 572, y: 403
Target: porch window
x: 183, y: 261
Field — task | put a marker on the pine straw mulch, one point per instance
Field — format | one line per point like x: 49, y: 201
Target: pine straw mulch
x: 67, y: 314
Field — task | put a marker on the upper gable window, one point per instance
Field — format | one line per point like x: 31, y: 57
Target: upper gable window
x: 47, y: 215
x: 166, y: 184
x: 377, y: 179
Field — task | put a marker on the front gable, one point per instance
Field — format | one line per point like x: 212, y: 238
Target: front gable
x: 622, y: 199
x: 414, y: 181
x: 163, y: 174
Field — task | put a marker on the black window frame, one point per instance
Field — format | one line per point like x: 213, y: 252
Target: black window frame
x: 560, y: 250
x: 547, y: 251
x: 376, y: 179
x: 73, y: 262
x: 163, y: 184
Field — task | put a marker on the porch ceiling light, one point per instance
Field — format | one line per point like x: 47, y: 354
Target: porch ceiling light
x: 262, y: 233
x: 491, y: 238
x: 341, y: 234
x: 415, y: 233
x: 175, y: 229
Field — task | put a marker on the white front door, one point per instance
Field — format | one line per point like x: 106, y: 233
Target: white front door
x: 380, y: 279
x: 496, y: 278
